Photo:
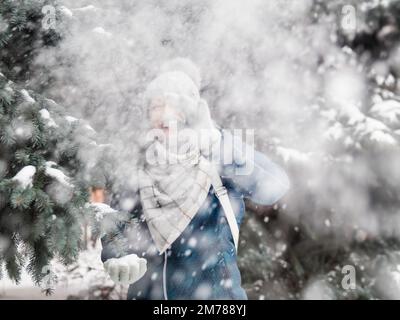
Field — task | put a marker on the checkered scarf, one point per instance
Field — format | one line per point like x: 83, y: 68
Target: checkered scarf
x: 172, y: 192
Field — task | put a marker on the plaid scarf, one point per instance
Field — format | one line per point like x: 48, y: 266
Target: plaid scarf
x: 172, y: 192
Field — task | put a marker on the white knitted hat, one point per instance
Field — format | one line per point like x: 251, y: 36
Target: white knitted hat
x: 179, y: 85
x: 183, y: 65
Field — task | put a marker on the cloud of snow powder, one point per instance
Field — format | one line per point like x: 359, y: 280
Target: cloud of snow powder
x: 265, y: 65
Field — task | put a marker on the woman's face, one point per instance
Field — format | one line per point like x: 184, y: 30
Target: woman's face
x: 162, y: 115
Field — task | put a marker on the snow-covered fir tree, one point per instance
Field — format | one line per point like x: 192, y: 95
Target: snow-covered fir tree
x: 43, y: 188
x: 44, y: 176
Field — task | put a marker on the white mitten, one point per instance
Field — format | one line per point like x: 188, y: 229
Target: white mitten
x: 126, y: 270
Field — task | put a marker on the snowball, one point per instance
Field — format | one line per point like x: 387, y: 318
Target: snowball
x: 25, y: 176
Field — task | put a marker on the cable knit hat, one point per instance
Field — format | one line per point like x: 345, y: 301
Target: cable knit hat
x: 178, y: 84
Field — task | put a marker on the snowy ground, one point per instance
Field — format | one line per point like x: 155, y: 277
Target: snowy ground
x: 82, y: 280
x: 27, y: 290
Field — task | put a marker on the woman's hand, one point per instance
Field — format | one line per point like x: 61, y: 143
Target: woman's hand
x: 126, y: 270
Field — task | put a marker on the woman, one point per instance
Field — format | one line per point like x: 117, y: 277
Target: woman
x: 181, y: 238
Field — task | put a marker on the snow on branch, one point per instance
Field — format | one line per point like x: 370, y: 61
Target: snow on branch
x: 25, y: 176
x: 25, y: 94
x: 383, y: 138
x: 293, y: 155
x: 388, y: 111
x: 45, y: 114
x: 101, y: 31
x: 71, y: 119
x: 57, y: 174
x: 102, y: 210
x: 88, y: 8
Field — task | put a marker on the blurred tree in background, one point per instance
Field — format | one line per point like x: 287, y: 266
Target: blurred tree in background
x: 23, y: 32
x: 303, y: 257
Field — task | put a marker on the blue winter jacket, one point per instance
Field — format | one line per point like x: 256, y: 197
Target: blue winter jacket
x: 202, y: 262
